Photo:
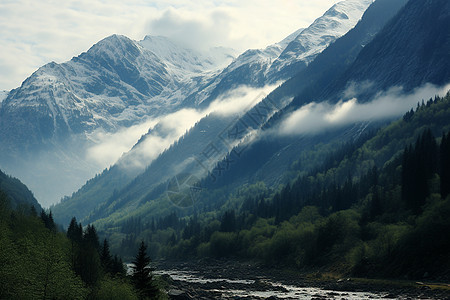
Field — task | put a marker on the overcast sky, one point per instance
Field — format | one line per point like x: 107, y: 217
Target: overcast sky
x: 35, y: 32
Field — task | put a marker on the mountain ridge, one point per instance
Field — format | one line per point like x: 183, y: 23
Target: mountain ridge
x: 280, y: 149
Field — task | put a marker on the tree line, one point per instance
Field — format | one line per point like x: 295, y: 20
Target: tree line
x: 40, y: 261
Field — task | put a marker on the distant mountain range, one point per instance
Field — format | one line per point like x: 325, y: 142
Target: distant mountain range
x: 329, y: 149
x: 269, y: 159
x: 49, y: 122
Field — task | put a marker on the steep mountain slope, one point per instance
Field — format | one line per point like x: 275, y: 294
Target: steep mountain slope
x: 333, y: 61
x: 48, y: 124
x: 116, y: 83
x: 283, y: 60
x: 269, y: 159
x: 18, y: 195
x: 414, y: 47
x: 384, y: 197
x: 3, y: 95
x: 117, y: 187
x: 244, y: 70
x: 337, y: 21
x: 320, y: 89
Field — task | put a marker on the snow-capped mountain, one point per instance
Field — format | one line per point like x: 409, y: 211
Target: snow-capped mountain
x: 119, y: 83
x: 337, y: 21
x: 250, y: 64
x: 281, y: 61
x: 268, y: 159
x: 116, y: 84
x: 187, y: 60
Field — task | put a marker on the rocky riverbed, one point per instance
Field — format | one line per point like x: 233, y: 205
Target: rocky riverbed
x: 216, y: 279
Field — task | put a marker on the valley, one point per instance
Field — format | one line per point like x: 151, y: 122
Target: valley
x: 317, y: 167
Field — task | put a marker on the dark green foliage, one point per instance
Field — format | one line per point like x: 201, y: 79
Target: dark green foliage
x: 228, y: 223
x: 90, y: 260
x: 445, y: 165
x: 75, y: 231
x: 33, y: 259
x: 48, y: 221
x: 33, y: 211
x: 370, y: 208
x: 117, y: 267
x: 142, y: 274
x: 419, y: 164
x: 17, y: 192
x: 105, y: 258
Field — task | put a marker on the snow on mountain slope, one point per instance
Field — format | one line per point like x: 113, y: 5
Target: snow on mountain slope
x: 3, y: 95
x: 281, y: 61
x: 248, y: 69
x: 116, y: 84
x: 263, y: 56
x: 187, y: 59
x: 119, y: 83
x: 337, y: 21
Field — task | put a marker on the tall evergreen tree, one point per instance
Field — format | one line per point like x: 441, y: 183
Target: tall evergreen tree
x: 75, y: 235
x: 142, y: 274
x: 49, y: 223
x: 117, y: 266
x: 88, y: 259
x: 105, y: 257
x: 419, y: 165
x: 445, y: 165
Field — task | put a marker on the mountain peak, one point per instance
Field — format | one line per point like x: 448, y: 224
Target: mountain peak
x: 180, y: 57
x: 337, y: 21
x: 113, y: 46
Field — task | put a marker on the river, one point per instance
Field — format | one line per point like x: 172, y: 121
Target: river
x: 192, y: 284
x: 222, y: 279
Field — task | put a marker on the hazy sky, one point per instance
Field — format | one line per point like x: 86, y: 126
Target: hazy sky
x: 35, y: 32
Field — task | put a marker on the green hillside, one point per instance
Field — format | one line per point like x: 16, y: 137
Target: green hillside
x: 374, y: 209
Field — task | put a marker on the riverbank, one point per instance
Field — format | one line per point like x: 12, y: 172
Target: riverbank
x: 225, y: 279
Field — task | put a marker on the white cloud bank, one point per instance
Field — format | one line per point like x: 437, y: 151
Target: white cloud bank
x: 314, y: 118
x: 165, y: 130
x: 33, y: 33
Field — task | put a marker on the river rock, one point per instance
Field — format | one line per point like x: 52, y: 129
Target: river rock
x: 178, y: 295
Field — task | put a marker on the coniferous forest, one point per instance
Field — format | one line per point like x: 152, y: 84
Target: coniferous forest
x: 304, y: 169
x: 375, y: 207
x: 40, y: 261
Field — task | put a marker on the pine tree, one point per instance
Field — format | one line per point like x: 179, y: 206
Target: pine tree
x: 75, y: 235
x: 142, y: 274
x: 117, y: 266
x: 419, y: 165
x: 33, y: 211
x: 445, y: 165
x: 88, y: 260
x: 75, y: 231
x: 105, y: 257
x: 48, y: 220
x: 91, y: 238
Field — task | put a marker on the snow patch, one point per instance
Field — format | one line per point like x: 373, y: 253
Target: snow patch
x: 3, y: 95
x: 336, y: 22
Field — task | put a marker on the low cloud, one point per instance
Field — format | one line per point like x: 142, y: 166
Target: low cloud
x: 108, y: 147
x: 165, y: 130
x: 314, y: 118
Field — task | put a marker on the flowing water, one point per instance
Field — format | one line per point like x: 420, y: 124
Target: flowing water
x: 258, y: 289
